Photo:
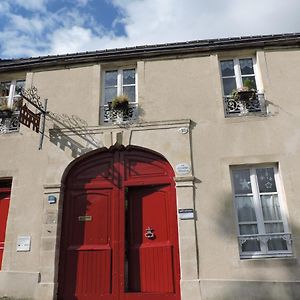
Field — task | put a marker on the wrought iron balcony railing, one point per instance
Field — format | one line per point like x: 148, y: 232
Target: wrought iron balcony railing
x: 287, y: 236
x: 110, y: 116
x: 278, y: 244
x: 235, y: 107
x: 10, y: 123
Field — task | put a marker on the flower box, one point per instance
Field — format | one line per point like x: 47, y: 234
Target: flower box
x: 245, y: 95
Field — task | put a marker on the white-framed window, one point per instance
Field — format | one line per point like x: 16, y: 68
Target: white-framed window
x: 10, y: 92
x: 236, y: 71
x: 10, y: 105
x: 260, y: 212
x: 121, y: 81
x: 118, y: 82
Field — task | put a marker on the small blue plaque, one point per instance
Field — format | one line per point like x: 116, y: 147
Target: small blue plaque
x: 52, y: 199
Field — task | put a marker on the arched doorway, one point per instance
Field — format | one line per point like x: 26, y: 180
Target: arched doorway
x: 119, y: 228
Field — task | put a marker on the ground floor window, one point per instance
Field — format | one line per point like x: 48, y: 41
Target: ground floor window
x: 260, y: 211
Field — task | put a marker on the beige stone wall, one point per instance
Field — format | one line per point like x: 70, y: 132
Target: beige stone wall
x: 171, y: 92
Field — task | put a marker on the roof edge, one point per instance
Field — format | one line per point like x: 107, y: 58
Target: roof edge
x: 148, y: 51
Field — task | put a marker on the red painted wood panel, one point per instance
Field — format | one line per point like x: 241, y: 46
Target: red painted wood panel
x: 157, y: 270
x: 152, y: 262
x: 4, y: 207
x: 88, y: 247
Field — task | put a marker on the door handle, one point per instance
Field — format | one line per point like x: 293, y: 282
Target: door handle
x: 149, y: 233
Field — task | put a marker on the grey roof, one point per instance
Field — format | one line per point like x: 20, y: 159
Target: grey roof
x: 148, y: 51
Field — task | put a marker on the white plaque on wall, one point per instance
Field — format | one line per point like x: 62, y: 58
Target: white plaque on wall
x: 183, y: 169
x: 23, y: 243
x: 186, y: 214
x: 183, y: 130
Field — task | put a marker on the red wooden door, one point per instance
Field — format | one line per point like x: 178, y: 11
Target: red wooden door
x: 151, y: 243
x: 4, y: 206
x: 110, y: 201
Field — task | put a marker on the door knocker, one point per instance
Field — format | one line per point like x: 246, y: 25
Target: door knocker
x: 149, y: 233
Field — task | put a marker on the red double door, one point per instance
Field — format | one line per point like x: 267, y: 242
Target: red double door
x: 119, y: 236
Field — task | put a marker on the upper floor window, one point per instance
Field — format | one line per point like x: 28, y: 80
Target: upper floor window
x: 119, y: 82
x: 10, y: 104
x: 241, y: 87
x: 262, y: 223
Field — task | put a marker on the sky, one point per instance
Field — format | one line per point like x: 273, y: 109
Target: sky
x: 48, y: 27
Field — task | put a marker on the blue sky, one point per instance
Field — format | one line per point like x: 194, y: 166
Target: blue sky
x: 46, y: 27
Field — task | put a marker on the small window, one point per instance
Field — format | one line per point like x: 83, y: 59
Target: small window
x: 262, y: 224
x: 241, y: 88
x: 10, y: 105
x: 235, y: 72
x: 119, y: 82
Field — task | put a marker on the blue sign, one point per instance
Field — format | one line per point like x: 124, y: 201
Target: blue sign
x: 52, y: 199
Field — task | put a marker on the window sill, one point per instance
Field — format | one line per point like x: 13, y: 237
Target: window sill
x: 267, y: 256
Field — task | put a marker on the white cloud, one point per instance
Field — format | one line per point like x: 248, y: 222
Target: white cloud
x: 16, y: 44
x: 82, y: 2
x: 4, y: 7
x: 32, y: 5
x: 70, y: 38
x: 30, y: 25
x: 152, y: 21
x: 145, y: 22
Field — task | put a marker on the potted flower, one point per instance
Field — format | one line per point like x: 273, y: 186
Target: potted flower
x: 246, y: 93
x: 120, y: 104
x: 118, y: 108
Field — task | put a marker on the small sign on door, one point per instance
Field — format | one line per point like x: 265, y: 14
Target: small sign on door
x: 84, y: 218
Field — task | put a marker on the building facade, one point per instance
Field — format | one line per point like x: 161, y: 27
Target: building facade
x: 188, y: 193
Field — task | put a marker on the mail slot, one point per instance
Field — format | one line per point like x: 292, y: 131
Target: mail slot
x: 84, y: 218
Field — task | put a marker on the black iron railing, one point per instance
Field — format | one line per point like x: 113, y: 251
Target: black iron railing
x: 108, y: 115
x: 9, y: 114
x: 234, y: 107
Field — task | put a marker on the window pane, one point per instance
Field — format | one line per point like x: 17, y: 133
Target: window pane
x: 246, y: 65
x: 111, y: 78
x: 129, y: 76
x: 20, y: 84
x: 277, y: 244
x: 251, y: 246
x: 227, y: 68
x: 271, y: 208
x: 248, y: 229
x: 110, y: 93
x: 266, y: 180
x: 241, y: 181
x: 4, y: 88
x: 274, y: 227
x: 252, y: 79
x: 245, y: 207
x: 130, y: 92
x: 229, y: 85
